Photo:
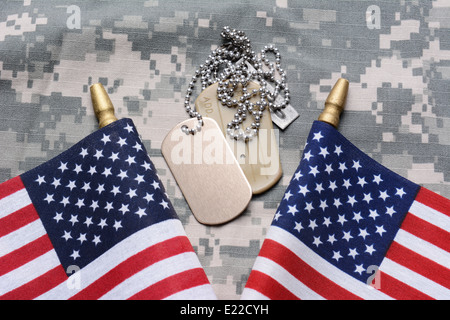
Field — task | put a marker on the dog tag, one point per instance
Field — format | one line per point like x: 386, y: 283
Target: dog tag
x: 259, y: 158
x: 207, y: 172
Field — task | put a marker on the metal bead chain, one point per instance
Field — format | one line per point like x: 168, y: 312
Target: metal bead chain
x: 233, y: 57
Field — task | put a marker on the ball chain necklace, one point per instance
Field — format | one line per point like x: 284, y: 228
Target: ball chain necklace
x: 240, y: 65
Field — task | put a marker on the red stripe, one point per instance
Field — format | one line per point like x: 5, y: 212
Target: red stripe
x: 173, y: 284
x: 427, y: 231
x: 268, y: 286
x: 132, y: 265
x: 303, y: 272
x: 419, y: 264
x: 433, y: 200
x: 37, y: 286
x: 18, y: 219
x: 25, y: 254
x: 9, y: 187
x: 399, y: 290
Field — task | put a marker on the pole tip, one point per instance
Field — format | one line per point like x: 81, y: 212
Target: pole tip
x: 335, y: 102
x: 103, y: 107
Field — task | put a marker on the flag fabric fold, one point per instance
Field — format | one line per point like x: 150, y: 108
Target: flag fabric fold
x: 349, y: 228
x: 95, y: 223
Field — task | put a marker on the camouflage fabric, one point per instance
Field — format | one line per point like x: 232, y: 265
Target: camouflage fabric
x: 396, y: 55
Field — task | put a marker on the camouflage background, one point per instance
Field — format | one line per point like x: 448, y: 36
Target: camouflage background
x: 396, y: 55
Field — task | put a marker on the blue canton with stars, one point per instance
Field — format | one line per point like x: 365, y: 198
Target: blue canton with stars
x: 342, y: 204
x: 97, y: 193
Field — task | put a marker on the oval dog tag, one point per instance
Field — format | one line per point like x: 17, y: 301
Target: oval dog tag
x: 259, y: 158
x: 207, y: 172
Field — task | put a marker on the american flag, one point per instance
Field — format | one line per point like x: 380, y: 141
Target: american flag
x: 349, y: 228
x: 96, y: 223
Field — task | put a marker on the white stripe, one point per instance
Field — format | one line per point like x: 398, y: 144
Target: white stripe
x: 322, y: 266
x: 430, y: 215
x: 28, y: 271
x: 251, y: 294
x: 14, y: 202
x: 423, y: 248
x: 202, y: 292
x: 414, y: 279
x: 286, y: 279
x: 153, y: 274
x: 17, y: 239
x: 130, y: 246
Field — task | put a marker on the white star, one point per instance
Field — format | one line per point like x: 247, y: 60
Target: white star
x: 82, y: 238
x: 390, y: 211
x: 139, y: 178
x: 337, y: 150
x: 303, y: 190
x: 107, y: 172
x: 141, y: 212
x: 114, y: 156
x: 298, y: 226
x: 342, y: 219
x: 308, y: 155
x: 122, y: 174
x: 319, y: 188
x: 318, y: 136
x: 292, y: 209
x: 115, y: 190
x: 331, y: 239
x: 323, y: 204
x: 370, y: 249
x: 380, y: 230
x: 347, y: 236
x: 130, y: 160
x: 324, y: 152
x: 383, y: 195
x: 155, y: 185
x: 328, y: 168
x: 277, y: 215
x: 373, y: 214
x: 164, y: 204
x: 367, y: 197
x: 347, y: 183
x: 313, y: 171
x: 377, y: 179
x: 317, y: 241
x: 40, y: 179
x: 80, y: 203
x: 138, y: 147
x: 132, y: 193
x: 75, y: 254
x: 92, y: 170
x: 128, y: 128
x: 105, y: 139
x: 363, y: 233
x: 87, y: 186
x: 309, y: 207
x: 149, y: 197
x: 287, y: 195
x: 297, y: 175
x: 353, y: 253
x: 342, y: 166
x: 359, y: 269
x: 361, y: 181
x: 357, y: 216
x: 312, y: 224
x: 56, y: 182
x: 351, y: 200
x: 73, y: 219
x: 122, y: 141
x: 71, y: 185
x: 49, y: 198
x: 65, y: 201
x: 109, y: 206
x: 124, y: 209
x: 88, y: 221
x: 63, y: 166
x: 83, y: 152
x: 102, y: 223
x: 78, y: 168
x: 117, y: 224
x: 400, y: 192
x: 332, y: 185
x: 337, y: 202
x: 58, y: 217
x: 96, y: 240
x: 356, y: 165
x: 101, y: 188
x: 146, y: 166
x: 67, y: 235
x: 98, y: 154
x: 336, y: 255
x: 327, y: 221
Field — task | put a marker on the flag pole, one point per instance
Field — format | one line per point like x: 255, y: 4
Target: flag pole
x: 103, y: 107
x: 334, y: 104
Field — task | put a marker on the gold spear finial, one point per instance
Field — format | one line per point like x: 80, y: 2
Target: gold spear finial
x: 103, y: 107
x: 334, y: 105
